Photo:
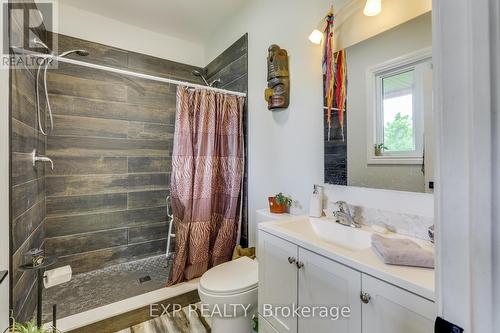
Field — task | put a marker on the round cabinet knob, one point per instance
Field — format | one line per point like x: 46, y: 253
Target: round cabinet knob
x: 292, y: 260
x: 300, y: 264
x: 365, y: 297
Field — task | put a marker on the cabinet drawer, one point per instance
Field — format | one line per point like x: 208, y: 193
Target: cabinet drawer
x: 393, y: 310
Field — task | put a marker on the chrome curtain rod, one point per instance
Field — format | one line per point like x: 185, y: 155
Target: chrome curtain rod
x: 130, y: 73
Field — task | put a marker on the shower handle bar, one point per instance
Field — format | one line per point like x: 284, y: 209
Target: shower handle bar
x: 171, y: 222
x: 169, y: 201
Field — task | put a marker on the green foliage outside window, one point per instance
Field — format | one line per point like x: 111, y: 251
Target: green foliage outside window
x: 398, y: 134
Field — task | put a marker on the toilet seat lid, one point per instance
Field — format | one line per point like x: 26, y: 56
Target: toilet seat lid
x: 231, y: 277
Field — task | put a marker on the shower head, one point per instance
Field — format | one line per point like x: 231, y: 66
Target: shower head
x: 81, y: 53
x: 45, y: 65
x: 215, y: 82
x: 38, y: 42
x: 199, y: 74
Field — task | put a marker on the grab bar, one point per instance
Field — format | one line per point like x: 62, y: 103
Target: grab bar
x: 169, y: 202
x: 168, y: 254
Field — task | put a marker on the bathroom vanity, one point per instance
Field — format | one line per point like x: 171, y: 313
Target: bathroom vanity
x: 302, y: 262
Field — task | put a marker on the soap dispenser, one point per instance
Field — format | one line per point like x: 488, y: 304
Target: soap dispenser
x: 316, y: 204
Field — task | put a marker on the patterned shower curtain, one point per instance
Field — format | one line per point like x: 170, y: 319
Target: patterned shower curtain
x: 207, y: 173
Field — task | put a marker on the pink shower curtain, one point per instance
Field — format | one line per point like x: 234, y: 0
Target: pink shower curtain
x: 207, y: 172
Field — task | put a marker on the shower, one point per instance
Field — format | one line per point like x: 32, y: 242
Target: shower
x: 200, y: 74
x: 45, y: 64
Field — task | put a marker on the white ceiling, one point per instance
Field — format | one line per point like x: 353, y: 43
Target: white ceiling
x: 339, y: 4
x: 191, y: 20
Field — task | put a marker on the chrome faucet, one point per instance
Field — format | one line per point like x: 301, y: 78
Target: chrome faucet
x: 37, y: 158
x: 431, y: 233
x: 343, y: 215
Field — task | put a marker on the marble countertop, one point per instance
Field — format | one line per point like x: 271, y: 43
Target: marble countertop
x: 298, y: 230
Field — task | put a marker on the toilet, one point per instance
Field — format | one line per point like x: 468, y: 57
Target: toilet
x: 228, y: 294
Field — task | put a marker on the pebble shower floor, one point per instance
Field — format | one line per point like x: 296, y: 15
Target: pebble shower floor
x: 94, y: 289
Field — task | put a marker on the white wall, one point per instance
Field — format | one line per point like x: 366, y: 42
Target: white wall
x: 495, y: 14
x: 285, y: 148
x: 409, y: 37
x: 82, y: 24
x: 4, y: 197
x: 4, y: 188
x: 466, y: 53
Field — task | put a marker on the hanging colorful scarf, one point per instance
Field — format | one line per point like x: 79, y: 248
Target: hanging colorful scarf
x: 335, y: 74
x: 329, y: 69
x: 340, y: 86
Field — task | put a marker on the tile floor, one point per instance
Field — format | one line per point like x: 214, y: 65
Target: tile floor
x: 105, y: 286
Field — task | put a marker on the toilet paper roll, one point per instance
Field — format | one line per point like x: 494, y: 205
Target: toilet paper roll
x: 57, y: 276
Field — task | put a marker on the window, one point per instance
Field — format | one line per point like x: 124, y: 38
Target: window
x: 396, y: 118
x: 399, y: 125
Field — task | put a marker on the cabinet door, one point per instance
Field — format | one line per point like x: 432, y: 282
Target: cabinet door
x: 277, y: 280
x: 394, y: 310
x: 323, y: 282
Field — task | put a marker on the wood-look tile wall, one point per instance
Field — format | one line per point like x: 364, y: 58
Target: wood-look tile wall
x: 112, y: 145
x: 27, y: 206
x: 335, y: 151
x: 335, y: 146
x: 231, y: 67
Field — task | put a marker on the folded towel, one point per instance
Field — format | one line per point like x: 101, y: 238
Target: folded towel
x: 402, y: 252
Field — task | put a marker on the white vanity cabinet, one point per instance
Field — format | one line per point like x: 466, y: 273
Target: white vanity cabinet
x: 324, y: 282
x: 278, y: 279
x: 289, y: 274
x: 394, y: 310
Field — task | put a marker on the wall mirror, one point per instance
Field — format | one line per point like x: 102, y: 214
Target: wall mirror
x: 386, y: 141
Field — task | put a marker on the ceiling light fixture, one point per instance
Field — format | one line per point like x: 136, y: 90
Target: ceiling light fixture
x: 316, y: 37
x: 372, y: 7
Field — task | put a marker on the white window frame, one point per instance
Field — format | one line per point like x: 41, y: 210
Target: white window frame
x: 375, y: 126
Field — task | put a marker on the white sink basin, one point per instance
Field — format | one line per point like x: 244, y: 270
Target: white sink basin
x: 354, y: 239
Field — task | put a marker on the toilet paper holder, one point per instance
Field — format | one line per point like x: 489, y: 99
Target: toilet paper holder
x: 40, y: 269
